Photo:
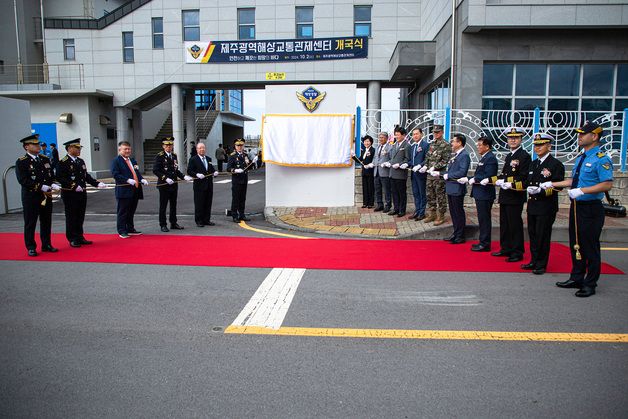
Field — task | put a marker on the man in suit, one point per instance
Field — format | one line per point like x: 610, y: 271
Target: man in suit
x: 73, y: 177
x: 368, y: 185
x: 398, y: 173
x: 238, y: 164
x: 455, y: 186
x: 483, y: 192
x: 381, y: 173
x: 416, y: 159
x: 34, y: 174
x: 512, y: 197
x: 202, y: 170
x: 129, y: 181
x: 166, y: 168
x: 542, y: 203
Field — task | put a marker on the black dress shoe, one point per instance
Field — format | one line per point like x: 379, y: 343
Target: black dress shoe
x: 448, y: 239
x: 75, y: 244
x: 134, y: 232
x: 165, y: 229
x: 401, y: 214
x: 500, y: 253
x: 386, y: 209
x: 585, y: 292
x: 570, y: 283
x: 176, y: 226
x: 514, y: 258
x: 363, y: 206
x: 378, y: 209
x: 478, y: 248
x: 209, y: 223
x: 85, y: 241
x: 236, y: 220
x: 200, y: 225
x: 369, y: 206
x: 419, y: 217
x: 49, y: 248
x: 393, y: 212
x: 538, y: 271
x: 245, y: 219
x: 528, y: 266
x: 32, y: 252
x: 458, y: 241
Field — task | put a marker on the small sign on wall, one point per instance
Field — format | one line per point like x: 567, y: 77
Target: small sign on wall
x: 96, y: 144
x: 275, y: 76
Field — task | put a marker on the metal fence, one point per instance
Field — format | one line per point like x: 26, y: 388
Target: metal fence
x: 67, y: 76
x: 476, y: 122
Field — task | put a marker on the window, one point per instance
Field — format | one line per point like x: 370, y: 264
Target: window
x: 127, y: 47
x: 68, y: 50
x: 438, y: 96
x: 564, y: 79
x: 362, y: 20
x: 158, y: 33
x: 246, y: 23
x: 497, y: 79
x: 622, y: 80
x: 597, y: 79
x: 304, y: 17
x: 1, y: 66
x: 531, y: 79
x: 235, y: 101
x: 191, y: 26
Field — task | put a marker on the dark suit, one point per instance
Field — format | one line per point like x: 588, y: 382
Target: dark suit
x: 368, y: 181
x: 485, y: 196
x: 72, y: 173
x: 203, y: 188
x: 416, y: 155
x: 542, y: 208
x: 32, y: 174
x: 515, y: 170
x: 126, y: 195
x: 458, y: 168
x: 167, y: 167
x: 239, y: 182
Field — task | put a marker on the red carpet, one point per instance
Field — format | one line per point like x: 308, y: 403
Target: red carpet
x: 402, y: 255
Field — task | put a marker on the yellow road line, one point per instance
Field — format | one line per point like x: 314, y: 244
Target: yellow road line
x: 615, y: 248
x: 430, y: 334
x: 259, y: 230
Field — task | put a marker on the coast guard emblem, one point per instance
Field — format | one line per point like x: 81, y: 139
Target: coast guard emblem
x: 311, y: 98
x: 195, y: 51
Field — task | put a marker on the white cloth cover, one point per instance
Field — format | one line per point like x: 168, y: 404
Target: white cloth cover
x: 308, y: 140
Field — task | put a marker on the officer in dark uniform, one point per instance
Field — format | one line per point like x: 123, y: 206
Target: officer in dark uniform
x: 542, y: 203
x: 166, y: 168
x: 591, y: 177
x: 512, y: 197
x: 238, y: 164
x: 34, y: 173
x: 73, y: 177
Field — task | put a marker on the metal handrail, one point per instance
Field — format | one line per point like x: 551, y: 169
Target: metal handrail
x: 4, y: 188
x: 68, y: 76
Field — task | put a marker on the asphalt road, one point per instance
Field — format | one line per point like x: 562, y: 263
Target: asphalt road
x: 109, y: 340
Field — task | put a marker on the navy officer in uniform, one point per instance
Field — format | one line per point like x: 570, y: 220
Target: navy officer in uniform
x: 73, y: 177
x: 34, y: 173
x: 238, y: 165
x: 166, y: 168
x: 542, y: 203
x: 592, y: 176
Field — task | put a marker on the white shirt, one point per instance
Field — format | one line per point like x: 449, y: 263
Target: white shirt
x: 33, y: 156
x: 542, y: 159
x: 515, y: 150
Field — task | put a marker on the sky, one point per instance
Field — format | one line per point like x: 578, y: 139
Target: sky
x: 254, y: 106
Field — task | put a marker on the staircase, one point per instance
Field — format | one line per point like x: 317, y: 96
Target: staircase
x: 204, y: 122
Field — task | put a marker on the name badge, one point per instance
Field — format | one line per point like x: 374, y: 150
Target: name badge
x: 588, y: 164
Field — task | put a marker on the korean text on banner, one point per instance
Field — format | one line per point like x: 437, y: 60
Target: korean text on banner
x: 324, y: 140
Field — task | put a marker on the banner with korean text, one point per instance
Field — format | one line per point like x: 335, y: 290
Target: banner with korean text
x: 322, y: 140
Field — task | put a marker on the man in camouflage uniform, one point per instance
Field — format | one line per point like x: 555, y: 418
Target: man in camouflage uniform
x: 436, y: 161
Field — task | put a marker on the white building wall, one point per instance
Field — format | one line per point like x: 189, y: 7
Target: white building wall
x: 15, y: 121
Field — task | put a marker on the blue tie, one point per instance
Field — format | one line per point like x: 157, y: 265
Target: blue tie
x: 576, y: 173
x: 414, y: 152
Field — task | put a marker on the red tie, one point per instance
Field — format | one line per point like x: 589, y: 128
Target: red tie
x: 128, y: 163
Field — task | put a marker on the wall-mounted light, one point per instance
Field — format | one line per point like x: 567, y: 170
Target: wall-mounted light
x: 104, y: 120
x: 66, y: 118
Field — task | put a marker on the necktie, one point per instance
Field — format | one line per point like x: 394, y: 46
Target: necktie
x: 414, y: 148
x: 379, y: 150
x: 128, y: 163
x: 204, y: 162
x: 576, y: 173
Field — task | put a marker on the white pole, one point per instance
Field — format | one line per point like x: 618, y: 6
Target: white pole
x: 452, y: 76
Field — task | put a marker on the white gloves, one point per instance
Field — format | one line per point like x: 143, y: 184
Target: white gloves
x: 169, y: 181
x: 463, y: 180
x: 200, y: 176
x: 188, y: 178
x: 434, y: 173
x: 533, y: 190
x: 216, y: 173
x: 472, y: 181
x: 416, y: 168
x: 546, y: 185
x: 395, y: 166
x: 79, y: 189
x: 423, y: 169
x: 238, y: 171
x: 574, y: 193
x: 404, y: 166
x: 55, y: 187
x: 499, y: 182
x: 131, y: 182
x: 386, y: 164
x: 45, y: 188
x: 484, y: 182
x: 446, y: 176
x: 144, y: 182
x: 506, y: 185
x: 101, y: 185
x: 369, y: 166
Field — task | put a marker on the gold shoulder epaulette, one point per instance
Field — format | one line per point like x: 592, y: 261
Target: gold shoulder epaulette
x: 601, y: 154
x: 23, y: 158
x: 161, y: 153
x: 233, y: 154
x: 64, y: 158
x: 43, y: 157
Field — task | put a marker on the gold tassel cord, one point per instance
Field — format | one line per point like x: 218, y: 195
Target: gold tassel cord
x: 576, y: 247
